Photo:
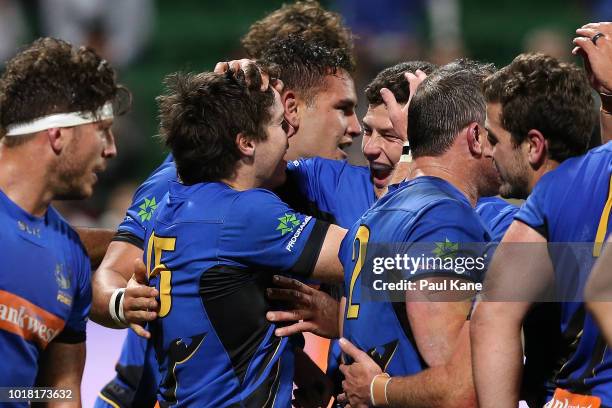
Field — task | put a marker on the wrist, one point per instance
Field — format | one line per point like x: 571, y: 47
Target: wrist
x: 378, y: 390
x: 115, y: 308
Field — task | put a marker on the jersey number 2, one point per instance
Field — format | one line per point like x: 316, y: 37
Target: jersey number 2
x: 359, y: 252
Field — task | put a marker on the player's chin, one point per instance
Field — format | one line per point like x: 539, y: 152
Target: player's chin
x: 507, y: 190
x: 279, y: 177
x: 381, y: 176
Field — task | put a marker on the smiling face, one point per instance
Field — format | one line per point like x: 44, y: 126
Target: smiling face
x: 269, y: 161
x: 509, y: 159
x: 381, y: 145
x: 84, y: 156
x: 328, y: 123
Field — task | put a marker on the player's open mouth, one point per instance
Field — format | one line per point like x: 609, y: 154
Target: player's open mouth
x: 380, y: 173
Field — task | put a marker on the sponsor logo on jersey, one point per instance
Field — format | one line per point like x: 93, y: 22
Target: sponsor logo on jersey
x: 28, y: 321
x: 297, y: 234
x: 287, y: 223
x: 63, y: 282
x: 62, y: 279
x: 146, y: 209
x: 446, y: 249
x: 28, y: 229
x: 565, y: 399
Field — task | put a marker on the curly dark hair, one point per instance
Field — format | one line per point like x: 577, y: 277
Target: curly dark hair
x: 51, y: 76
x: 537, y: 91
x: 306, y: 18
x: 303, y: 65
x: 200, y: 117
x: 394, y: 80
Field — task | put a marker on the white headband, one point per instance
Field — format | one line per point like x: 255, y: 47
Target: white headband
x: 60, y: 120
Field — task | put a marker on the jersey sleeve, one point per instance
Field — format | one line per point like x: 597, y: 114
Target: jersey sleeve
x: 74, y: 330
x: 274, y: 237
x: 450, y: 240
x: 316, y: 179
x: 535, y: 211
x: 144, y: 202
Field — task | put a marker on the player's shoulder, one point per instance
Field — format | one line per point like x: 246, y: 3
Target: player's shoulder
x: 162, y: 174
x: 65, y: 234
x: 216, y: 200
x: 256, y: 199
x: 584, y: 166
x: 58, y: 223
x: 424, y: 194
x: 323, y: 165
x: 150, y: 192
x: 495, y: 205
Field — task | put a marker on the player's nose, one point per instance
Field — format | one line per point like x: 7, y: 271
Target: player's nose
x: 354, y: 127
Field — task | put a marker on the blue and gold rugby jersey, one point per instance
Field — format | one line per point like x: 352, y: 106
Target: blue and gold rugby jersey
x: 45, y: 289
x: 211, y: 252
x: 572, y: 204
x: 423, y: 210
x: 330, y: 190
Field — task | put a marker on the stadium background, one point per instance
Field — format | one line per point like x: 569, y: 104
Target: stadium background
x: 159, y: 37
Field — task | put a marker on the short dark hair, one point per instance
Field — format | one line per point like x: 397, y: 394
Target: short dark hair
x: 200, y: 117
x: 394, y: 80
x: 303, y: 65
x: 537, y: 91
x: 446, y: 101
x: 306, y: 18
x: 51, y: 76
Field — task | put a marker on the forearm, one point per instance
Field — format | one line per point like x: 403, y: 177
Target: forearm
x: 497, y: 355
x: 61, y: 366
x: 95, y: 241
x: 432, y: 388
x: 448, y: 385
x: 114, y: 272
x: 103, y: 289
x: 328, y: 267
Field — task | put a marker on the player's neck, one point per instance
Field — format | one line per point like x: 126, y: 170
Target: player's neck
x: 24, y: 179
x: 447, y: 170
x: 547, y: 166
x: 243, y: 179
x: 380, y: 191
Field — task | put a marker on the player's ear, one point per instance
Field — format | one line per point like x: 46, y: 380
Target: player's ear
x: 58, y: 138
x: 474, y: 135
x: 245, y: 145
x: 537, y: 147
x: 290, y: 103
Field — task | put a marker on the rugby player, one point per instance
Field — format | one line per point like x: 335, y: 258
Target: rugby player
x: 382, y: 147
x: 310, y: 81
x: 56, y: 113
x: 537, y: 146
x: 222, y: 232
x: 428, y: 357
